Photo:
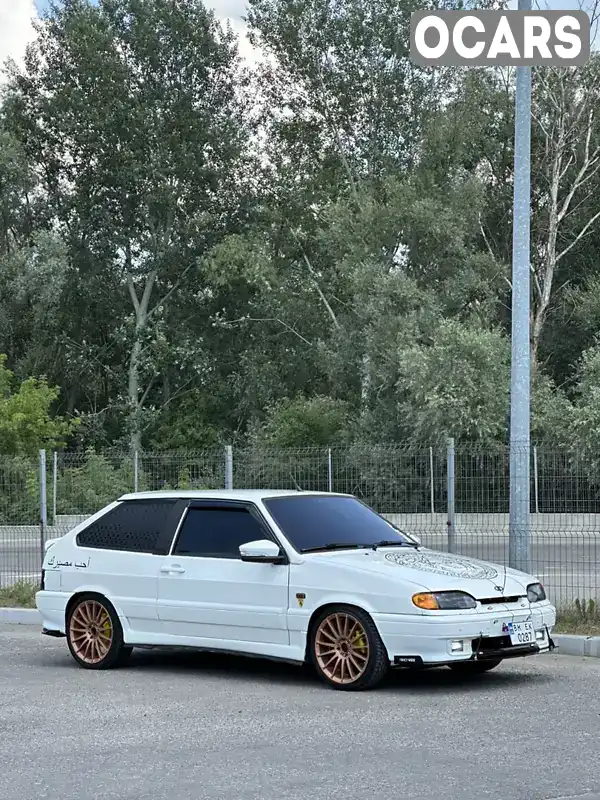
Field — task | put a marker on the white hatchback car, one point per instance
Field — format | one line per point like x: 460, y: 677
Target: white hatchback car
x: 299, y: 576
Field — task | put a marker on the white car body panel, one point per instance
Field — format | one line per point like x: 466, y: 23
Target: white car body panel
x: 224, y: 599
x: 265, y: 609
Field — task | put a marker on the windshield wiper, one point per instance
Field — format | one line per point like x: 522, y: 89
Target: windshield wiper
x: 334, y: 546
x: 393, y: 543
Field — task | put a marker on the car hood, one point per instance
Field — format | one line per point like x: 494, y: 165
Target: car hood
x: 436, y: 571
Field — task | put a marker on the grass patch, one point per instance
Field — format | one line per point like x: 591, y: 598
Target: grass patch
x: 581, y: 617
x: 19, y: 595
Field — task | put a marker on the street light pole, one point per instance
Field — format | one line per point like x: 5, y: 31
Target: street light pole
x: 520, y: 379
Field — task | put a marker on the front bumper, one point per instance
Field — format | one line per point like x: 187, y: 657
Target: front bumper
x: 416, y: 641
x: 489, y: 650
x: 496, y: 654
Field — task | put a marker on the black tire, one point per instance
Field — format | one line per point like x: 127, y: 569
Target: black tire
x: 474, y: 667
x: 117, y: 652
x: 377, y: 660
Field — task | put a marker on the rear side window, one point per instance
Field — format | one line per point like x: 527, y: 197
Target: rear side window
x: 133, y: 525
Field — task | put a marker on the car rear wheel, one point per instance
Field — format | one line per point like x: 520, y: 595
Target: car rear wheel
x: 474, y: 667
x: 346, y: 649
x: 94, y: 633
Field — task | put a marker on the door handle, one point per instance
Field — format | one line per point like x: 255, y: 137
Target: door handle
x: 174, y: 568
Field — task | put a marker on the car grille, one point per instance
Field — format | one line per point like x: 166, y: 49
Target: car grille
x: 490, y: 643
x: 489, y: 601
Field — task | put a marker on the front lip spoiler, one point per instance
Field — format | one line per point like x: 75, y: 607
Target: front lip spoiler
x: 516, y: 651
x: 502, y: 653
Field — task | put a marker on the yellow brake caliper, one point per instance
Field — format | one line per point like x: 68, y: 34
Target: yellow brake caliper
x: 107, y: 627
x: 360, y: 641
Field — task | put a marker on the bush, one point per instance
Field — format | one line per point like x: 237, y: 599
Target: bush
x: 91, y: 484
x: 19, y: 491
x: 19, y: 595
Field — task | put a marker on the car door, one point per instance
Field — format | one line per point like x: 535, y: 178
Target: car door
x: 205, y: 590
x: 118, y: 554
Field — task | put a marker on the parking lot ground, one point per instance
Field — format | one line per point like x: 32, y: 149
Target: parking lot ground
x: 189, y: 726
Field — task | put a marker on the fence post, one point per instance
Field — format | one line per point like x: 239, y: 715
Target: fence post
x: 451, y: 520
x: 431, y: 482
x: 54, y: 484
x: 135, y: 471
x: 329, y: 471
x: 228, y: 467
x: 43, y: 507
x: 535, y: 479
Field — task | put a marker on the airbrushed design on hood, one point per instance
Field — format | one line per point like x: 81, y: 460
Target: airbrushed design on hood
x: 442, y: 564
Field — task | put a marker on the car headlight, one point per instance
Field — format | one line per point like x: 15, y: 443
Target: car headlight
x: 444, y: 601
x: 536, y: 593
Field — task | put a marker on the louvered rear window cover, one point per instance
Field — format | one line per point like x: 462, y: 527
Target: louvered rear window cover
x: 133, y: 525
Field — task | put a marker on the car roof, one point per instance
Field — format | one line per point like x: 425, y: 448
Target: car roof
x: 251, y: 495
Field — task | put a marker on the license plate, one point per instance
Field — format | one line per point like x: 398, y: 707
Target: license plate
x: 521, y: 632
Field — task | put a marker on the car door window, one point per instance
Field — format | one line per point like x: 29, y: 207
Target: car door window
x: 217, y: 532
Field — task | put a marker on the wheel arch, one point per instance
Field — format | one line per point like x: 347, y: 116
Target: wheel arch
x: 83, y: 593
x: 332, y: 604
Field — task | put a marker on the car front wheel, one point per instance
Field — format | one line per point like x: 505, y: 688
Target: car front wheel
x: 474, y: 667
x: 346, y: 649
x: 94, y: 633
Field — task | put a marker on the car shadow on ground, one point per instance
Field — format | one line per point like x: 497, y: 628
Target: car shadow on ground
x: 224, y: 666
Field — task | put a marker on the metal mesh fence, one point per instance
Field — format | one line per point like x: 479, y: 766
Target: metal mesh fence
x: 20, y: 533
x: 409, y: 486
x: 167, y: 471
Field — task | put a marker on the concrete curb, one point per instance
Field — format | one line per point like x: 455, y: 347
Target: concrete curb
x: 20, y: 616
x: 570, y: 645
x: 567, y: 644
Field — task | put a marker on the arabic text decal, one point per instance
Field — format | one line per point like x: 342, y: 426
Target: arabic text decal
x: 52, y: 562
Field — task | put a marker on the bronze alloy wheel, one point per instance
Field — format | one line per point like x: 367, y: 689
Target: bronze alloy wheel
x: 347, y: 650
x: 342, y: 648
x: 91, y: 631
x: 94, y: 633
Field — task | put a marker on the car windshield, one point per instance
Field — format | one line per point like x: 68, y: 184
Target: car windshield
x: 311, y: 522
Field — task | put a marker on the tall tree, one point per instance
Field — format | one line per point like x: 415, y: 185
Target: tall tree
x: 566, y: 179
x: 133, y: 110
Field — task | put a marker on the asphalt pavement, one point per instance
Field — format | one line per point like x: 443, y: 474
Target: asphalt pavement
x: 568, y: 564
x: 188, y: 726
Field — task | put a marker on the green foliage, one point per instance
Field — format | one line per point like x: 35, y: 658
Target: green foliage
x: 89, y: 482
x: 553, y: 414
x: 147, y: 178
x: 580, y: 617
x: 19, y: 595
x: 26, y: 424
x: 19, y: 491
x: 187, y: 481
x: 319, y: 253
x: 587, y: 610
x: 188, y: 423
x: 86, y: 488
x: 586, y: 412
x: 305, y: 422
x: 458, y: 381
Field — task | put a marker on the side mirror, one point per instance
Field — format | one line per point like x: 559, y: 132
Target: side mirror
x: 261, y: 552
